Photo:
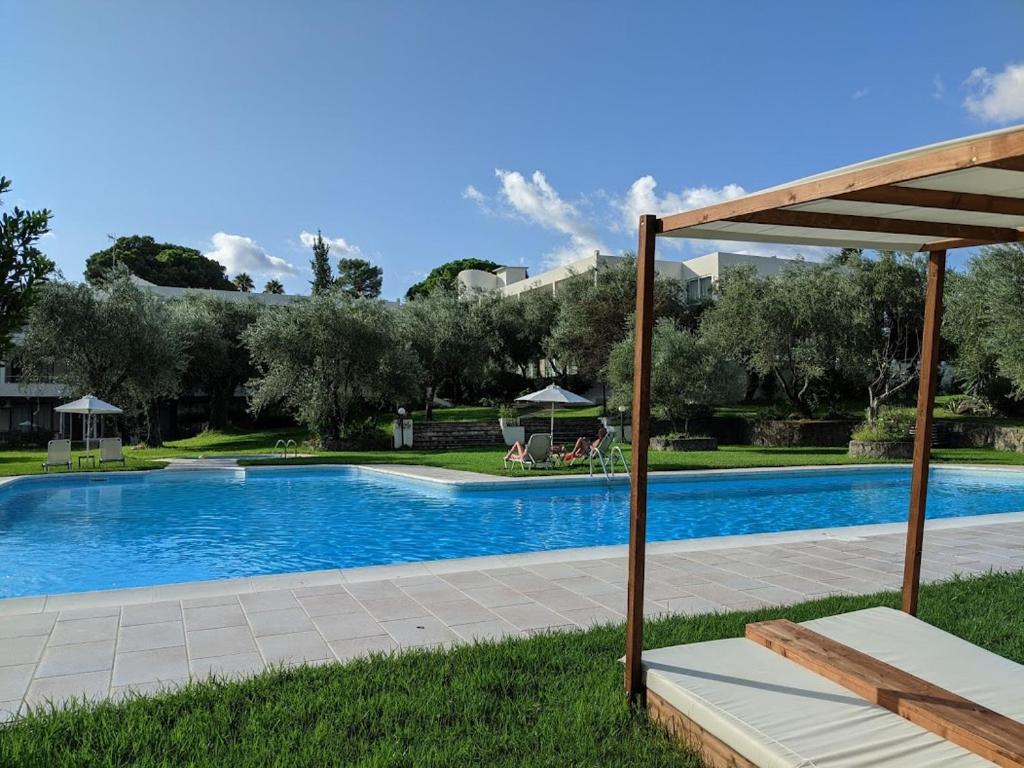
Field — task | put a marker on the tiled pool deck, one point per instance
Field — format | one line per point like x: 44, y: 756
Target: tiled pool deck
x: 110, y: 643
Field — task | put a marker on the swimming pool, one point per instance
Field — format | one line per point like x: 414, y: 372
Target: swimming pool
x: 84, y: 532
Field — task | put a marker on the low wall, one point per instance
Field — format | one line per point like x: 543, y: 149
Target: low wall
x: 456, y: 434
x: 793, y: 433
x: 971, y: 434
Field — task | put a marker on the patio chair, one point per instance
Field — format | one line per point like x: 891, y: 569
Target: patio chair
x: 58, y: 454
x: 536, y: 453
x: 111, y: 451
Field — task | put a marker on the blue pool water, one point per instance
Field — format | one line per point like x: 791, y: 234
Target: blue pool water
x: 123, y: 530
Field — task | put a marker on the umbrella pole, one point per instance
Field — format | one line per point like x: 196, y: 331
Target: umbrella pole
x: 552, y: 423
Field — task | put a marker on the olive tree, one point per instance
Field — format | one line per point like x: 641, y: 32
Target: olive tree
x: 594, y: 310
x: 793, y: 326
x: 449, y: 336
x: 218, y: 361
x: 518, y: 327
x: 688, y: 374
x: 331, y: 361
x: 887, y: 322
x: 119, y: 342
x: 985, y: 322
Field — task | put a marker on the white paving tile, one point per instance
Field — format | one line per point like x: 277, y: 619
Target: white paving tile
x: 235, y: 628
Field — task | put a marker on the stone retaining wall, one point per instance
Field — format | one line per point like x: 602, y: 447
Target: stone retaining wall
x: 792, y: 433
x: 971, y: 434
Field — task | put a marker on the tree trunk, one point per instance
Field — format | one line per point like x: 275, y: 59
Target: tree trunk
x: 218, y: 411
x: 154, y: 439
x: 429, y: 406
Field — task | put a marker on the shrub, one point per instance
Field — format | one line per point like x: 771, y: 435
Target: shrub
x: 968, y: 405
x: 509, y: 413
x: 892, y: 426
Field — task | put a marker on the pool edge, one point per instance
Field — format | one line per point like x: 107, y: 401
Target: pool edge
x: 248, y: 584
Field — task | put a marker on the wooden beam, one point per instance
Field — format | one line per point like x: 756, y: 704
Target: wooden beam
x: 818, y: 220
x: 983, y: 150
x: 974, y: 727
x: 923, y: 430
x: 892, y: 194
x: 1008, y: 164
x: 638, y: 481
x: 948, y: 245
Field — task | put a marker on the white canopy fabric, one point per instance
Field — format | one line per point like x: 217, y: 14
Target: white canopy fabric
x: 555, y: 395
x: 959, y: 193
x: 89, y: 407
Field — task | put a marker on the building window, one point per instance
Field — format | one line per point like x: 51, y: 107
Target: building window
x: 698, y: 288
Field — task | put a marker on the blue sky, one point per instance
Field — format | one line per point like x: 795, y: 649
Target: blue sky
x: 414, y: 133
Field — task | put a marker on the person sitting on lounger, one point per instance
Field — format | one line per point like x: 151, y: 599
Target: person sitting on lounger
x: 516, y: 452
x: 584, y: 445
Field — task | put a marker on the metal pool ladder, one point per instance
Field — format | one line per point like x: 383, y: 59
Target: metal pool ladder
x: 608, y: 468
x: 283, y: 445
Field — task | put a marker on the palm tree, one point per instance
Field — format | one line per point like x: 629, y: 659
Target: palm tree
x: 244, y: 283
x: 273, y: 286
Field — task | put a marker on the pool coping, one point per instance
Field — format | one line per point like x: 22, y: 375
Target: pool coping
x: 460, y: 479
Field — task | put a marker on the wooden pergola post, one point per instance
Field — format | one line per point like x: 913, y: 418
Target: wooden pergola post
x: 641, y: 435
x: 923, y: 430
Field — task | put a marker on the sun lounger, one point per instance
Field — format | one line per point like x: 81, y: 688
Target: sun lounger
x: 111, y: 451
x: 58, y: 454
x: 746, y: 705
x: 536, y: 452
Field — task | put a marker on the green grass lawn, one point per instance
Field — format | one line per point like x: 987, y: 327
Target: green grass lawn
x: 483, y: 460
x: 550, y: 700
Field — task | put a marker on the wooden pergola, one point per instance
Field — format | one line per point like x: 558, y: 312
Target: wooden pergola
x: 957, y: 194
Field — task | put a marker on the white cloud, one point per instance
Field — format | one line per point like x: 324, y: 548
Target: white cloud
x: 474, y: 194
x: 860, y: 93
x: 938, y: 88
x: 998, y: 97
x: 643, y: 198
x: 243, y: 254
x: 536, y: 201
x: 338, y: 244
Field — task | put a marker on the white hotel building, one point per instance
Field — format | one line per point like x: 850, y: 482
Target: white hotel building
x: 697, y: 274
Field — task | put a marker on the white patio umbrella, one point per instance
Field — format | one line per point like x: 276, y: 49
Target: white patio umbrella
x: 89, y: 407
x: 555, y: 395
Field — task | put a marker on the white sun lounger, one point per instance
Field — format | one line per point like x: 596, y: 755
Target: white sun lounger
x: 58, y: 454
x: 111, y: 450
x: 777, y: 714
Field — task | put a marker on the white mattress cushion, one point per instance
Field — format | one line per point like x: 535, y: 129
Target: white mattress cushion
x: 780, y: 715
x: 931, y: 654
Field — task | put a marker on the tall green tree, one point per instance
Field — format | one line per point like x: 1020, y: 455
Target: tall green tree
x: 449, y: 340
x: 23, y: 267
x: 218, y: 360
x: 688, y: 374
x: 517, y: 327
x: 323, y: 279
x: 985, y: 322
x: 273, y: 286
x: 445, y: 276
x: 158, y: 263
x: 793, y: 326
x: 121, y: 343
x: 593, y: 315
x: 332, y: 362
x: 244, y: 283
x: 888, y: 320
x: 359, y: 278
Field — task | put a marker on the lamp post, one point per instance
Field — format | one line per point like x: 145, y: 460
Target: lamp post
x: 622, y: 413
x: 400, y: 438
